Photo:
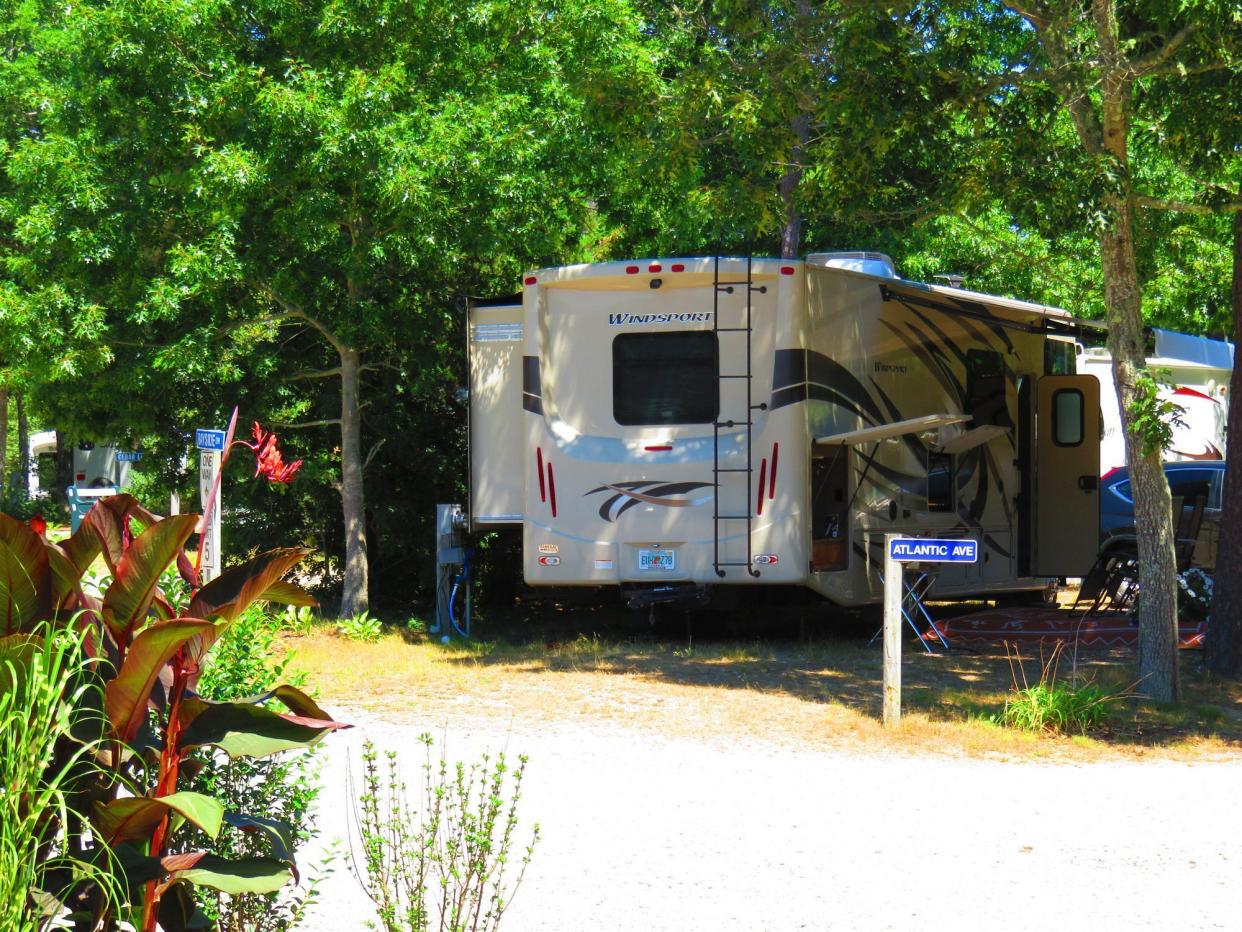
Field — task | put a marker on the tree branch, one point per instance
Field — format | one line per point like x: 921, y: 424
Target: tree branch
x: 1203, y: 210
x: 295, y: 310
x: 1145, y: 64
x: 371, y: 455
x: 327, y: 422
x: 313, y: 374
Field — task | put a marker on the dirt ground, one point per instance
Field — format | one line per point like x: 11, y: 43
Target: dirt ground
x: 742, y: 781
x: 741, y: 681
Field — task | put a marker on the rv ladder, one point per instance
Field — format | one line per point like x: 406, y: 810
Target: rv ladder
x: 748, y: 375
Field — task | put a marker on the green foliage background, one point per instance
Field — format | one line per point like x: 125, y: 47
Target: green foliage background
x: 176, y: 176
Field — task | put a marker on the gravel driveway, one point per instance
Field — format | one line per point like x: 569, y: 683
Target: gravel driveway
x: 643, y: 833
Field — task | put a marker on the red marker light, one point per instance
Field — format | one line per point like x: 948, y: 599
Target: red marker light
x: 677, y: 267
x: 776, y: 452
x: 530, y: 279
x: 787, y: 269
x: 631, y: 270
x: 658, y: 448
x: 654, y: 267
x: 551, y: 490
x: 543, y: 493
x: 763, y: 469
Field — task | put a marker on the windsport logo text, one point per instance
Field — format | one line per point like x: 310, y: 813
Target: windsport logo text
x: 699, y: 317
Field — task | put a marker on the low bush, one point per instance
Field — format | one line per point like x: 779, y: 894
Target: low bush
x: 246, y: 661
x: 1051, y: 706
x: 439, y: 860
x: 361, y: 627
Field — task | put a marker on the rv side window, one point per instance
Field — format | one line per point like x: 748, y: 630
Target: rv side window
x: 939, y: 482
x: 665, y: 378
x: 1060, y: 358
x: 1067, y: 417
x: 985, y: 388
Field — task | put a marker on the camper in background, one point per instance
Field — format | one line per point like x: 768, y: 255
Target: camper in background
x: 672, y: 424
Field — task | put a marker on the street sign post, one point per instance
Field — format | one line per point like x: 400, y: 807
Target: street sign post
x: 899, y: 551
x: 209, y: 439
x: 210, y: 451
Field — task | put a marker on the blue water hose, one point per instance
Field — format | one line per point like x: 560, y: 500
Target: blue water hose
x: 462, y: 577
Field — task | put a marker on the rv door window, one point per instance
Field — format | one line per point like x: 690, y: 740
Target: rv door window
x: 1067, y: 417
x: 665, y: 378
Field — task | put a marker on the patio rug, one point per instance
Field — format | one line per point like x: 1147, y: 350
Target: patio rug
x: 1037, y: 623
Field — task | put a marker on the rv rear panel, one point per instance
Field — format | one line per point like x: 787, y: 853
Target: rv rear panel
x: 728, y: 421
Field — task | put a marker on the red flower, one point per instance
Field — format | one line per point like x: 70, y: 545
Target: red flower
x: 268, y: 461
x: 38, y: 525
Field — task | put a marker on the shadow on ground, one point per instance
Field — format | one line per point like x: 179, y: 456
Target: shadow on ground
x: 818, y: 655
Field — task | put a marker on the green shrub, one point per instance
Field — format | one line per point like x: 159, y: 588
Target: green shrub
x: 439, y: 860
x: 1057, y: 708
x: 245, y: 662
x: 362, y: 627
x: 41, y: 683
x: 1051, y: 706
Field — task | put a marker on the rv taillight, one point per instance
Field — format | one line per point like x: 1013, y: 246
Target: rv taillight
x: 654, y: 267
x: 763, y: 472
x: 787, y: 269
x: 677, y: 267
x: 631, y: 270
x: 658, y: 448
x: 551, y: 490
x: 776, y: 452
x: 543, y: 495
x: 530, y: 279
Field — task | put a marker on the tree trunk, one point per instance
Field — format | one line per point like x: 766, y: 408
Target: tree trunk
x: 1153, y: 515
x: 4, y: 439
x: 1224, y: 637
x: 354, y: 598
x: 23, y: 451
x: 791, y: 234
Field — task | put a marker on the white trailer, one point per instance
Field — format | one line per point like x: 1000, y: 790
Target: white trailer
x: 690, y: 422
x: 1198, y: 372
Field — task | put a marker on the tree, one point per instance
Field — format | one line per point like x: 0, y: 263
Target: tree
x: 341, y: 170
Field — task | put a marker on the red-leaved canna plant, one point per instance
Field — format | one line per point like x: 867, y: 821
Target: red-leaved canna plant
x: 144, y: 660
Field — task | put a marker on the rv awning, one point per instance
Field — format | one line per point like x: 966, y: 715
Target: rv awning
x: 914, y: 425
x: 993, y: 309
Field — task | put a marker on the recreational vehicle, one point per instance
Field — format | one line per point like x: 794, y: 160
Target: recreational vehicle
x: 675, y: 424
x: 1198, y: 372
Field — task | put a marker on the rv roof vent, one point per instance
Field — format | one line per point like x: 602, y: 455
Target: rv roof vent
x: 872, y: 263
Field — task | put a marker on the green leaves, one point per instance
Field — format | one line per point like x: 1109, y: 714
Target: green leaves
x: 234, y: 590
x: 126, y: 695
x: 25, y: 590
x: 248, y: 729
x: 244, y: 875
x: 138, y: 571
x: 132, y: 818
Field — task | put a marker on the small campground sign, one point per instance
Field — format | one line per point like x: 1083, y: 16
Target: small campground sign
x: 931, y: 550
x: 899, y: 551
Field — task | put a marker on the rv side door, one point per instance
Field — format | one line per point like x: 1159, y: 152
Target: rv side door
x: 1067, y: 475
x: 497, y: 427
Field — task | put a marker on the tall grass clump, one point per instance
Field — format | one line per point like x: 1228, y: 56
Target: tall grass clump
x: 439, y: 860
x: 42, y: 690
x: 1052, y: 706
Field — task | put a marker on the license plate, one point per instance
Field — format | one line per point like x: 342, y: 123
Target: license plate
x: 657, y: 559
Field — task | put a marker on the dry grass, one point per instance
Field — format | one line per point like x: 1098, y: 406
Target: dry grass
x: 821, y: 694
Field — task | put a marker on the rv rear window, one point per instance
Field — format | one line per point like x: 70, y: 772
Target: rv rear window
x: 665, y: 378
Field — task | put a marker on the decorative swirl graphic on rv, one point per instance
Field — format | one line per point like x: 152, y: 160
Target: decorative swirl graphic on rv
x: 653, y: 492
